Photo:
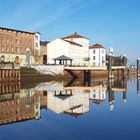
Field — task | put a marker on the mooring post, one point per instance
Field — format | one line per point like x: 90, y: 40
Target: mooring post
x: 110, y: 57
x: 124, y: 96
x: 87, y: 77
x: 138, y: 85
x: 138, y: 63
x: 124, y: 64
x: 110, y: 96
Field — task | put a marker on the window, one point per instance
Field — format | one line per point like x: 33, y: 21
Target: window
x: 17, y: 49
x: 2, y: 48
x: 94, y: 51
x: 36, y: 44
x: 12, y: 41
x: 2, y: 40
x: 94, y: 58
x: 7, y: 48
x: 7, y: 40
x: 102, y: 57
x: 17, y: 41
x: 102, y: 51
x: 12, y: 49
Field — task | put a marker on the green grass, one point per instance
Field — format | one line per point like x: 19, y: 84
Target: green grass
x: 25, y: 70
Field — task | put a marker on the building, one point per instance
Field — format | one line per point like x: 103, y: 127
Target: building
x: 97, y: 55
x: 43, y: 52
x: 118, y: 60
x: 19, y: 46
x: 73, y: 48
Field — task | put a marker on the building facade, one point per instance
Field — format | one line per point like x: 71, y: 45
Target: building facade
x: 43, y: 52
x: 97, y: 55
x: 19, y: 46
x: 75, y: 47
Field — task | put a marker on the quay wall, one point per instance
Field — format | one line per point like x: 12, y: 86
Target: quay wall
x: 49, y: 69
x: 9, y: 72
x: 103, y: 73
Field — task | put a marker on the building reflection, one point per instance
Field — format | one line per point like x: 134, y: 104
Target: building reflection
x: 18, y: 104
x: 101, y: 88
x: 116, y: 85
x: 98, y: 95
x: 67, y: 101
x: 71, y: 97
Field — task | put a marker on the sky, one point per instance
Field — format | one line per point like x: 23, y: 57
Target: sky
x: 112, y: 23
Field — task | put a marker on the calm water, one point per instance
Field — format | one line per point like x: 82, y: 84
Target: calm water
x: 70, y: 110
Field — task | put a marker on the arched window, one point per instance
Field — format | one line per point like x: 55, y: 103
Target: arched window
x: 16, y: 60
x: 2, y: 58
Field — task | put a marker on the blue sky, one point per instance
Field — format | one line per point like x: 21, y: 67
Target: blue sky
x: 112, y: 23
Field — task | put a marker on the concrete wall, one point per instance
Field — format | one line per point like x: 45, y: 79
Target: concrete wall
x: 50, y: 69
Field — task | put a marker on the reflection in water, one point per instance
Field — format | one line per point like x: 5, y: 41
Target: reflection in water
x: 138, y: 85
x: 71, y: 102
x: 98, y: 95
x: 18, y: 104
x: 70, y: 97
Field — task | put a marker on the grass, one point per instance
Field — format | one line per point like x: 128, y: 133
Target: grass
x: 25, y: 70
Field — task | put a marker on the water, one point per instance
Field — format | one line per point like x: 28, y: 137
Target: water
x: 71, y: 110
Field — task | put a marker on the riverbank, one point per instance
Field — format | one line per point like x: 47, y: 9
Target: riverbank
x: 32, y: 75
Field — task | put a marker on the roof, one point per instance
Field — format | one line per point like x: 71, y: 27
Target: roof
x: 63, y: 57
x: 73, y: 43
x: 97, y: 101
x: 75, y: 35
x: 8, y: 29
x: 96, y: 46
x: 74, y: 114
x: 44, y: 43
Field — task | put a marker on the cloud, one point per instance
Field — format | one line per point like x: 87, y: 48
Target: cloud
x: 61, y: 12
x: 29, y: 15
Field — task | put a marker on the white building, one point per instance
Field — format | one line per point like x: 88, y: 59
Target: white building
x: 75, y: 47
x: 97, y: 55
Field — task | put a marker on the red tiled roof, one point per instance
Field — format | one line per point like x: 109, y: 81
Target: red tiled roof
x: 74, y: 36
x: 73, y: 43
x: 96, y: 46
